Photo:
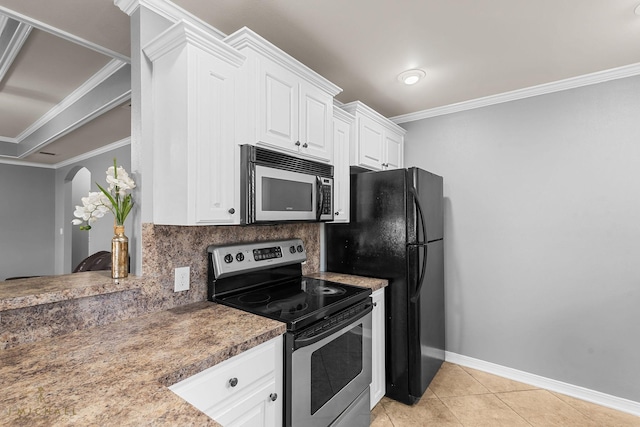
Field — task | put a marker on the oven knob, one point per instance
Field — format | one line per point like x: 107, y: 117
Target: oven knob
x: 300, y: 248
x: 292, y: 249
x: 273, y: 396
x: 240, y: 256
x: 228, y: 258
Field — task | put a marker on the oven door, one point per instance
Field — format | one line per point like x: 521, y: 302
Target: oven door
x: 328, y: 373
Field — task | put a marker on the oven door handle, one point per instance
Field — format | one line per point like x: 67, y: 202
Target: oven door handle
x: 304, y: 342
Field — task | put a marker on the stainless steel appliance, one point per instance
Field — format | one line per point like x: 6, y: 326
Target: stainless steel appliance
x: 327, y: 363
x: 396, y: 232
x: 277, y: 187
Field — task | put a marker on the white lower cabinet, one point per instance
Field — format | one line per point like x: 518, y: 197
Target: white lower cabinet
x: 378, y: 382
x: 245, y: 390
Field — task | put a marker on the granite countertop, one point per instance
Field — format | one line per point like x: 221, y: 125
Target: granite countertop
x: 348, y: 279
x: 118, y: 374
x: 34, y: 291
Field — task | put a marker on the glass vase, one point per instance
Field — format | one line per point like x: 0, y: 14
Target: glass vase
x: 119, y: 253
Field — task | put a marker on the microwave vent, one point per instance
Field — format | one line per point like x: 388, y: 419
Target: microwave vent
x: 283, y: 161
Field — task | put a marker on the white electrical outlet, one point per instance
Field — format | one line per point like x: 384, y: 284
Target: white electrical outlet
x: 181, y: 276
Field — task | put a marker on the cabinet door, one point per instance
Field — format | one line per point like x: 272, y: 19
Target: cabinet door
x: 245, y: 390
x: 278, y: 107
x: 371, y: 143
x: 341, y: 180
x: 216, y: 199
x: 316, y: 113
x: 394, y: 151
x: 378, y: 384
x: 256, y: 410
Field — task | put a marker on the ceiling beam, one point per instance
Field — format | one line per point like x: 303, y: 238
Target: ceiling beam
x: 109, y: 88
x: 13, y: 34
x: 109, y: 93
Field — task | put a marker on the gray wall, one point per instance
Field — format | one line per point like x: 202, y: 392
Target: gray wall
x: 542, y: 230
x: 102, y: 230
x: 26, y: 221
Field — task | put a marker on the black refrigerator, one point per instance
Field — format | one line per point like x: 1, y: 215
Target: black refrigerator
x: 396, y: 233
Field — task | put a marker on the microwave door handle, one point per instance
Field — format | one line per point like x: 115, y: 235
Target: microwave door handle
x: 319, y: 198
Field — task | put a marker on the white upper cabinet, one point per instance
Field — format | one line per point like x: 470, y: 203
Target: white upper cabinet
x: 195, y: 163
x: 377, y: 142
x: 342, y: 122
x: 284, y: 105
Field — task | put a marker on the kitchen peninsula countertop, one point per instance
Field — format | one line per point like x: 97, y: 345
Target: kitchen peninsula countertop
x: 118, y: 374
x: 28, y: 292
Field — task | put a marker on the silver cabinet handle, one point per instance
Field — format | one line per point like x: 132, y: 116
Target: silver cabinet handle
x: 273, y: 396
x: 233, y: 382
x: 337, y: 213
x: 297, y: 143
x: 305, y: 145
x: 232, y: 211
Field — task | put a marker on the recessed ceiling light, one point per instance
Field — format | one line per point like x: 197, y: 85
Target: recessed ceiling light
x: 411, y: 77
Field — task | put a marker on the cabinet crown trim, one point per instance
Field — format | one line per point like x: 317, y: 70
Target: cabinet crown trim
x: 357, y: 107
x: 184, y: 33
x: 343, y: 115
x: 168, y: 10
x: 245, y: 38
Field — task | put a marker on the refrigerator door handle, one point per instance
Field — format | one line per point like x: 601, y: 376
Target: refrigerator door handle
x: 416, y: 295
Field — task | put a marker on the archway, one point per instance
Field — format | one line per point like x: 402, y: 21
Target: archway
x: 77, y: 185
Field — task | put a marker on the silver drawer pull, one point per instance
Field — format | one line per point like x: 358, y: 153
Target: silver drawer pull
x: 273, y: 396
x: 233, y: 382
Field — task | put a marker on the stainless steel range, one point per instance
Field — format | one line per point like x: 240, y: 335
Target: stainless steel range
x: 327, y: 363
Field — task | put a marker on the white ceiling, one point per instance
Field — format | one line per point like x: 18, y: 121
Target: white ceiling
x: 469, y: 49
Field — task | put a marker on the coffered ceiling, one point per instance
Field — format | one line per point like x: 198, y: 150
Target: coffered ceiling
x: 469, y: 49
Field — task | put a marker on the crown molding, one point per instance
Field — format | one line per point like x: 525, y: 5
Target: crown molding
x: 63, y: 34
x: 122, y: 143
x: 342, y: 114
x: 168, y: 10
x: 245, y: 38
x: 11, y: 44
x: 185, y: 33
x: 105, y: 149
x: 358, y: 107
x: 543, y: 89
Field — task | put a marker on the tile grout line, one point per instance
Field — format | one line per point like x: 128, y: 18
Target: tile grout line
x: 449, y: 409
x: 510, y: 407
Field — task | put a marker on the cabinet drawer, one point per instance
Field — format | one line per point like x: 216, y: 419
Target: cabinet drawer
x: 214, y: 384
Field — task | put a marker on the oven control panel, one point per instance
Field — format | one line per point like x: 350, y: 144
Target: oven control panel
x: 229, y: 260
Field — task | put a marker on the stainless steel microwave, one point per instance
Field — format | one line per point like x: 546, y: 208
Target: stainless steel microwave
x: 277, y: 187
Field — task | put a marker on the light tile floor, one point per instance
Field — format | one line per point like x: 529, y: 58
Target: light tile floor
x: 460, y: 396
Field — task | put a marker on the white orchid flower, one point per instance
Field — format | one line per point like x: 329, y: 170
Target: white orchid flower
x: 115, y: 199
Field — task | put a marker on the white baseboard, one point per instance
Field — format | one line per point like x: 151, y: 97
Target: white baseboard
x: 578, y: 392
